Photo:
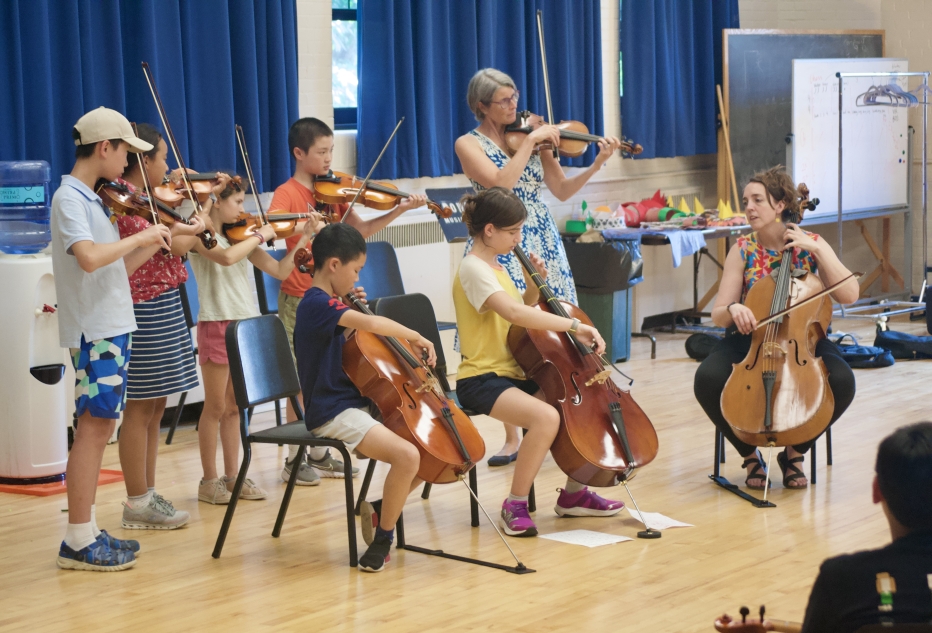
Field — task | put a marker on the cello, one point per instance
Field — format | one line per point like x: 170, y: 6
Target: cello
x: 604, y: 435
x: 779, y: 394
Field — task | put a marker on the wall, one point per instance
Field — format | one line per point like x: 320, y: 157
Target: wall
x: 665, y: 288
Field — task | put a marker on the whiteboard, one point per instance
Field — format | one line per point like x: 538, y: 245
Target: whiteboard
x: 875, y: 138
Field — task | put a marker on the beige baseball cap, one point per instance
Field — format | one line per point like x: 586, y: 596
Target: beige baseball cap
x: 104, y: 124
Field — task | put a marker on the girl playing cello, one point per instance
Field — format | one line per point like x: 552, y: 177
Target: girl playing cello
x: 752, y: 258
x: 489, y: 379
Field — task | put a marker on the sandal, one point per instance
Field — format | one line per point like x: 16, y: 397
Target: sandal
x: 758, y: 472
x: 795, y: 473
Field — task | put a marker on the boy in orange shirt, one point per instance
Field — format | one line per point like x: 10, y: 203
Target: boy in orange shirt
x: 311, y: 143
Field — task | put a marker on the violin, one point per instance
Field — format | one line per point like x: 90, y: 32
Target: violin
x: 247, y: 224
x: 779, y: 394
x: 574, y: 136
x: 726, y: 624
x: 412, y: 403
x: 174, y: 191
x: 339, y: 188
x: 604, y: 435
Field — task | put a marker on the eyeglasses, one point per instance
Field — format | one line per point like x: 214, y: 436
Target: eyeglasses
x: 504, y: 104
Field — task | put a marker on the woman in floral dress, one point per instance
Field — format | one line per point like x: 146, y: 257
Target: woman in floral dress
x: 493, y: 98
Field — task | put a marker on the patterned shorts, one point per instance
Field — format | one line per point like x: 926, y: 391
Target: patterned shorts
x: 100, y: 375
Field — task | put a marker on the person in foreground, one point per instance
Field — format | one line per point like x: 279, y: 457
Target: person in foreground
x: 489, y: 379
x: 334, y: 407
x: 891, y: 585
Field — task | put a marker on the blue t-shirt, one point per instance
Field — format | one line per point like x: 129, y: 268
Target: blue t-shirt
x: 318, y: 349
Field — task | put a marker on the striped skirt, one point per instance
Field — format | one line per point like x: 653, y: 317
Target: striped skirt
x: 163, y: 358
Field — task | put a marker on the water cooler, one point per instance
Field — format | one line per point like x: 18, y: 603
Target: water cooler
x: 34, y: 397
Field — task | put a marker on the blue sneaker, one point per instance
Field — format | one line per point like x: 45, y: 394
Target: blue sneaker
x: 115, y: 543
x: 98, y: 556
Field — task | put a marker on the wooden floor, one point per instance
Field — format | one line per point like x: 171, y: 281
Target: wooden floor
x: 735, y: 555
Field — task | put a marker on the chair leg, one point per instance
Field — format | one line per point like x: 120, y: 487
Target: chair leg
x: 828, y: 446
x: 425, y: 494
x: 812, y: 466
x: 721, y: 440
x: 286, y: 499
x: 400, y: 532
x: 364, y: 488
x: 231, y: 508
x: 719, y: 450
x: 531, y: 500
x: 179, y: 408
x: 350, y: 515
x: 473, y: 506
x: 278, y: 413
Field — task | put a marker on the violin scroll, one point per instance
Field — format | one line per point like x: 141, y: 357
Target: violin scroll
x: 304, y: 261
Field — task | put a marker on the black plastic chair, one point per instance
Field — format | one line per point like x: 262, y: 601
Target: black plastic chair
x: 267, y: 288
x: 381, y: 276
x: 190, y: 306
x: 262, y: 371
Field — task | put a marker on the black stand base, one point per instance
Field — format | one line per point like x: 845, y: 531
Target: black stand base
x: 649, y: 533
x: 30, y: 481
x: 517, y: 569
x: 730, y: 487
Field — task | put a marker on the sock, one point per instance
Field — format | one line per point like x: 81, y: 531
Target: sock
x: 318, y: 453
x: 79, y: 535
x: 94, y: 529
x: 572, y: 487
x: 517, y: 498
x: 388, y: 534
x: 292, y: 452
x: 140, y: 502
x: 151, y: 488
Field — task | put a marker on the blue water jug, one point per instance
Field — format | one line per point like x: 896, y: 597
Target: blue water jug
x: 24, y: 206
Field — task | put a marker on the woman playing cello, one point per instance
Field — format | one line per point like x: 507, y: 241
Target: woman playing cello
x: 752, y: 258
x: 493, y: 98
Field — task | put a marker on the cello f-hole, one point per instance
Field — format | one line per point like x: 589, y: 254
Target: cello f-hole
x: 577, y: 398
x: 411, y: 403
x: 756, y: 356
x: 803, y: 362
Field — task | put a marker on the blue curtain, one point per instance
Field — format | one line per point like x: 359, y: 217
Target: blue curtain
x: 416, y: 58
x: 215, y: 62
x: 671, y: 56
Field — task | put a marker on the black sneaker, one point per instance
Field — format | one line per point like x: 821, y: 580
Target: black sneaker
x: 369, y: 519
x: 377, y: 555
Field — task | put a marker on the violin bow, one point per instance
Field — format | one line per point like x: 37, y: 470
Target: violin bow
x: 543, y: 63
x: 149, y: 195
x: 241, y: 141
x: 818, y: 295
x: 372, y: 169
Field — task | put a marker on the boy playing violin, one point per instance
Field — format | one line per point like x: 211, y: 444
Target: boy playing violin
x: 95, y: 321
x: 311, y: 144
x: 334, y: 407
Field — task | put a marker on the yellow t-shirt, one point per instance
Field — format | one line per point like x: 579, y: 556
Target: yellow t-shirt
x: 483, y: 333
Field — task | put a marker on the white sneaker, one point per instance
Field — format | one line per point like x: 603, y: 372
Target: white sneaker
x: 250, y: 491
x: 214, y: 491
x: 160, y: 514
x: 307, y: 476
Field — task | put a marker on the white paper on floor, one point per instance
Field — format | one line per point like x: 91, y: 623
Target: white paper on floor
x: 586, y: 538
x: 657, y: 521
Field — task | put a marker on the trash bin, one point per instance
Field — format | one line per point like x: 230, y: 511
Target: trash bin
x: 604, y: 273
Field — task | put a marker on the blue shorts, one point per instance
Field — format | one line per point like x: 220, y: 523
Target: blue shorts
x: 100, y: 375
x: 479, y: 393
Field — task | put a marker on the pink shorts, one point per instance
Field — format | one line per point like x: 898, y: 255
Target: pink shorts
x: 211, y: 342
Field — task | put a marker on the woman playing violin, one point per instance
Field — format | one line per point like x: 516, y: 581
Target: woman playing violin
x: 752, y: 258
x: 493, y: 99
x: 162, y: 362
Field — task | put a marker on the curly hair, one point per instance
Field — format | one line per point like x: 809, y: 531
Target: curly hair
x: 780, y: 188
x: 497, y: 206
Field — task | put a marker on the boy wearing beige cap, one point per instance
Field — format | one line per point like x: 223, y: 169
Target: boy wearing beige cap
x: 95, y: 321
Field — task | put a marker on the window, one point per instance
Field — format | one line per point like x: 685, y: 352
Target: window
x: 345, y: 68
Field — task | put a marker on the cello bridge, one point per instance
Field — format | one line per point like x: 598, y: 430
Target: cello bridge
x: 600, y: 378
x: 773, y: 350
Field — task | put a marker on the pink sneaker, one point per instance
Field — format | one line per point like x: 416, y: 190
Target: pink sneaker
x: 515, y: 520
x: 585, y: 503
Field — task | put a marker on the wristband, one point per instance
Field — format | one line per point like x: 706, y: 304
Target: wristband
x: 573, y: 326
x: 260, y: 236
x: 728, y: 307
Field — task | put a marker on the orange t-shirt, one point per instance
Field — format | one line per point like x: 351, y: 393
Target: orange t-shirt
x: 293, y: 197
